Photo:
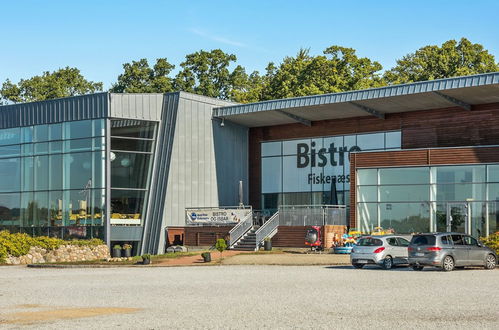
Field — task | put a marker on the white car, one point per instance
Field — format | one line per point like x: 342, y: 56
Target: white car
x: 385, y: 251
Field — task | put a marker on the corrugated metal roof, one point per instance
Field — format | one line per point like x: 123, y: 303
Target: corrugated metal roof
x: 384, y: 99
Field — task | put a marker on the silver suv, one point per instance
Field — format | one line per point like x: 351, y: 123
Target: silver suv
x: 385, y: 251
x: 448, y: 251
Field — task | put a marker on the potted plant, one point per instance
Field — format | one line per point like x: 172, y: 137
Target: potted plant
x: 117, y: 251
x: 146, y: 259
x: 128, y: 250
x: 267, y: 244
x: 206, y: 256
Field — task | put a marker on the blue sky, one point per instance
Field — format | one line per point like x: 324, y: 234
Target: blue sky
x: 99, y: 36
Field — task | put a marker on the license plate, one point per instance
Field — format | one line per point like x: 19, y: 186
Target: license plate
x: 419, y: 254
x: 362, y: 261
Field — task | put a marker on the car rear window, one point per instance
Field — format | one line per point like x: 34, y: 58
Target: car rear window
x: 423, y: 240
x: 369, y: 242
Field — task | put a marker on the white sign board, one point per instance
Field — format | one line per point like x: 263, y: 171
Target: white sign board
x: 215, y: 215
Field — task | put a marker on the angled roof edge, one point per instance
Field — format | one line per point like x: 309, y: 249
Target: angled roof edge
x: 360, y: 95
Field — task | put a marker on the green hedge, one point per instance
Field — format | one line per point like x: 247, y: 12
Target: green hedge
x: 19, y: 244
x: 492, y: 241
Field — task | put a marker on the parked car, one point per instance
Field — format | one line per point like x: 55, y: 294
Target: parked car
x: 385, y: 251
x: 448, y: 251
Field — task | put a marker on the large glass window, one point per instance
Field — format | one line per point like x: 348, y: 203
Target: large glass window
x: 127, y: 205
x: 130, y: 170
x: 10, y: 209
x: 10, y: 170
x: 414, y: 175
x: 10, y: 136
x: 133, y: 128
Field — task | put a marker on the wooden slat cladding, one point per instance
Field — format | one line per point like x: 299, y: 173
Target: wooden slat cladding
x: 420, y: 157
x: 205, y: 236
x: 448, y: 127
x: 290, y: 236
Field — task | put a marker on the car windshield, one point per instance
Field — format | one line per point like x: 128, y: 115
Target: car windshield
x: 423, y: 240
x: 369, y: 242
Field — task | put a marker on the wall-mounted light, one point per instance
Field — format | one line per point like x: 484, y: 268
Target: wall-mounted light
x: 222, y: 124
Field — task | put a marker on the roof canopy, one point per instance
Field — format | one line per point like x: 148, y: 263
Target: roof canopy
x: 425, y: 95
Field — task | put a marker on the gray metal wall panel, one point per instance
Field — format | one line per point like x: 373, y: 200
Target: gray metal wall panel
x: 92, y: 106
x: 154, y: 219
x: 136, y: 106
x: 126, y: 233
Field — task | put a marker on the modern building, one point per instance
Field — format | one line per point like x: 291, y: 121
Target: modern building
x: 125, y: 167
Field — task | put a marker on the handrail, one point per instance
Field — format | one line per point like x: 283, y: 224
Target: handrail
x: 267, y: 228
x: 241, y: 228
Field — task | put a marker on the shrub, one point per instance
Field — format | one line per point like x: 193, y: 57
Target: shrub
x: 492, y: 241
x: 146, y: 256
x: 126, y: 246
x: 220, y: 245
x: 19, y: 244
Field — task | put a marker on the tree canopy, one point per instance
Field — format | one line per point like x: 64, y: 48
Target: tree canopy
x: 138, y: 77
x: 452, y: 59
x: 50, y: 85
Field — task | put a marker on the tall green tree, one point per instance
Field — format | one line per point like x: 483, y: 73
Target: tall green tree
x: 451, y: 59
x: 209, y: 74
x: 339, y: 69
x: 50, y: 85
x: 139, y: 77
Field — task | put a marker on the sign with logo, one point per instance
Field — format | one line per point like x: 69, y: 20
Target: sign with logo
x: 314, y: 165
x: 215, y: 216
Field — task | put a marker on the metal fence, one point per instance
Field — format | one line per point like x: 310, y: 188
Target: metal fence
x: 312, y: 215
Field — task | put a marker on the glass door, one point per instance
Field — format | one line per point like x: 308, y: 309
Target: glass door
x: 458, y: 217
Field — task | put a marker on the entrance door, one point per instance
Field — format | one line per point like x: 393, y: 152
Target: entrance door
x: 458, y: 217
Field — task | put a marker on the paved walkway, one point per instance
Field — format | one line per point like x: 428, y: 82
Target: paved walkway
x: 288, y: 259
x: 196, y: 260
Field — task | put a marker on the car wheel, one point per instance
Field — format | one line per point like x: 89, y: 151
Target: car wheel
x: 359, y: 266
x: 490, y: 262
x: 448, y: 264
x: 417, y: 268
x: 388, y: 262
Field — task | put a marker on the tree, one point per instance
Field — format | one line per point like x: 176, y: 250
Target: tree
x: 220, y: 245
x: 339, y: 69
x: 207, y: 73
x: 138, y: 77
x: 50, y: 85
x: 451, y: 59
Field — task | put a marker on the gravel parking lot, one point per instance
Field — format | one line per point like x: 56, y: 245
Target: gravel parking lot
x: 247, y: 297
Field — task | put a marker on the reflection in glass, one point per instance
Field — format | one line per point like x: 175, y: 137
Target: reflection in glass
x: 10, y: 170
x: 10, y: 209
x: 401, y: 194
x: 77, y: 129
x: 405, y: 217
x: 130, y: 170
x: 10, y: 136
x: 410, y: 175
x: 10, y: 151
x: 132, y: 128
x: 55, y: 208
x: 127, y: 205
x: 55, y: 131
x: 131, y: 145
x: 41, y: 133
x: 460, y: 174
x: 40, y: 209
x: 41, y: 172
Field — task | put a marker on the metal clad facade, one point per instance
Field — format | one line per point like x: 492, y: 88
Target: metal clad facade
x: 154, y: 228
x: 92, y: 106
x: 136, y: 106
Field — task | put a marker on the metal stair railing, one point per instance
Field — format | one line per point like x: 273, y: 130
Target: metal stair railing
x: 268, y: 229
x: 240, y: 229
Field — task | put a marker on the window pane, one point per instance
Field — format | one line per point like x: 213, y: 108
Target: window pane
x: 78, y: 207
x: 460, y: 174
x: 41, y: 148
x: 460, y: 192
x: 98, y: 206
x: 131, y: 144
x: 27, y: 209
x: 78, y: 145
x: 55, y: 172
x: 271, y: 149
x: 367, y: 194
x: 78, y: 129
x: 292, y: 147
x: 270, y: 201
x: 493, y: 173
x: 294, y: 179
x: 130, y: 170
x: 411, y: 175
x: 27, y: 134
x: 99, y: 127
x: 132, y: 128
x: 10, y: 151
x: 127, y: 205
x: 41, y: 133
x: 55, y: 147
x: 367, y: 215
x: 271, y: 175
x: 55, y: 131
x: 41, y: 172
x: 55, y: 208
x: 27, y: 170
x: 393, y: 140
x: 10, y: 205
x: 99, y: 165
x: 405, y: 218
x: 27, y: 149
x: 10, y: 136
x: 78, y: 170
x: 371, y: 141
x: 10, y: 170
x: 368, y: 176
x: 406, y: 193
x: 40, y: 208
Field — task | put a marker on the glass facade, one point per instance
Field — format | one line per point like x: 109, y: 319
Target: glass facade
x: 53, y: 179
x: 421, y: 199
x: 315, y: 171
x: 132, y: 143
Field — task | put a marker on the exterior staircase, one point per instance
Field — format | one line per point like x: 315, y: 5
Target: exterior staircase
x: 248, y: 241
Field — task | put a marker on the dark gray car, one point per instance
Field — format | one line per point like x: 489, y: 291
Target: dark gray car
x: 449, y: 250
